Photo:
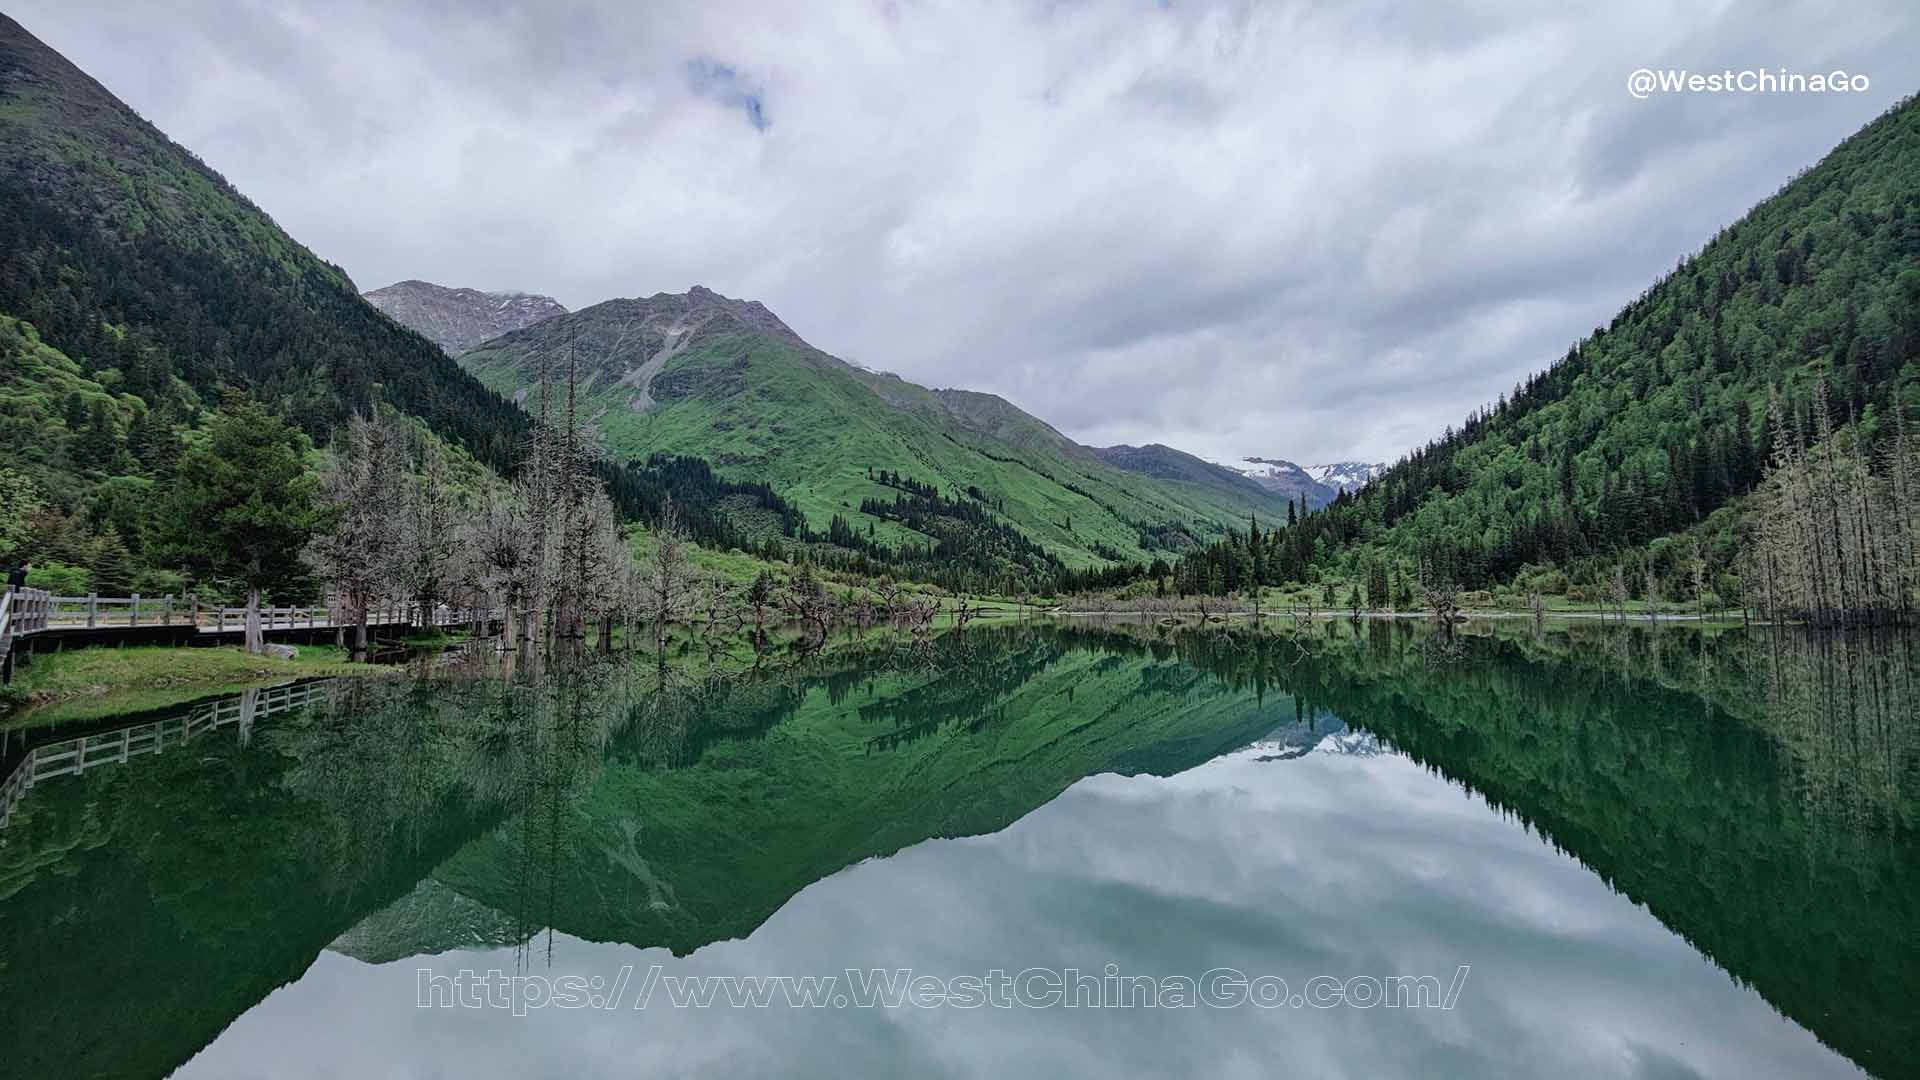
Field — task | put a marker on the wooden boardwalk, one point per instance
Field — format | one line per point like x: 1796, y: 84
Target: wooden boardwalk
x: 35, y: 615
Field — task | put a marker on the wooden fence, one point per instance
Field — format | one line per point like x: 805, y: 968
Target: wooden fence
x: 72, y: 757
x: 94, y: 612
x: 34, y: 611
x: 22, y: 612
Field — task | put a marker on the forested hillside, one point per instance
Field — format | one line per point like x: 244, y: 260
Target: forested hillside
x: 151, y: 273
x: 1657, y: 424
x: 140, y: 294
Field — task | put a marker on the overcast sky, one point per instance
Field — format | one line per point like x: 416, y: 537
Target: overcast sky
x: 1312, y: 231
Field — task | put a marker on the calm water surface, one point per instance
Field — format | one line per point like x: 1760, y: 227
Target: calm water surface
x: 1618, y: 853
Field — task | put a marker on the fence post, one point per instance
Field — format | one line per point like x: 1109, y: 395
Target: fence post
x: 134, y: 619
x: 93, y: 608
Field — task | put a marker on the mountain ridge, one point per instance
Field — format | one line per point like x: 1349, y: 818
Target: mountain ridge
x: 1318, y: 484
x: 456, y: 319
x: 702, y: 374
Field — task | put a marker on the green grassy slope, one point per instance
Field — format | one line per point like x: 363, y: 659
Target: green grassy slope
x: 723, y: 379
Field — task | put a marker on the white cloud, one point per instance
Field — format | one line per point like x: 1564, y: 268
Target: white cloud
x: 1312, y: 231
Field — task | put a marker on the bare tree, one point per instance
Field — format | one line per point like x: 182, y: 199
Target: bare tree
x: 666, y: 579
x: 1831, y: 530
x: 888, y: 591
x: 428, y: 539
x: 758, y: 599
x: 1441, y: 593
x: 499, y: 549
x: 715, y: 604
x: 806, y: 600
x: 920, y: 613
x: 363, y: 487
x: 1443, y: 599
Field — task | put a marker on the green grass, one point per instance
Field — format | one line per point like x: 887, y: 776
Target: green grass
x: 86, y: 684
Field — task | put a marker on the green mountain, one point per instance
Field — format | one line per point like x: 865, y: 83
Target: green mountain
x: 1657, y: 425
x: 161, y: 284
x: 703, y: 375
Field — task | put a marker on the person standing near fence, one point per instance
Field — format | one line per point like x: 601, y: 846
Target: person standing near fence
x: 17, y: 577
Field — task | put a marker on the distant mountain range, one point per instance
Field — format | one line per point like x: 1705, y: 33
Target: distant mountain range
x: 458, y: 319
x: 1319, y: 483
x: 630, y: 350
x: 709, y: 376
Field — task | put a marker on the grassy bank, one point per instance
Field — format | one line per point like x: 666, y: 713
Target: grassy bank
x: 86, y: 684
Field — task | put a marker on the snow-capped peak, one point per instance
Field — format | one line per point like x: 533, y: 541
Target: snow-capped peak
x: 1346, y: 475
x: 1265, y: 469
x: 1319, y: 482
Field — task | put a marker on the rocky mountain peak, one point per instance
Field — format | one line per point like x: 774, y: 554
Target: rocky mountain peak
x: 456, y: 319
x: 1346, y: 475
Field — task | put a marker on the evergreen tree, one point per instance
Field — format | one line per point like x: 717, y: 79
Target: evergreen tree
x: 243, y: 504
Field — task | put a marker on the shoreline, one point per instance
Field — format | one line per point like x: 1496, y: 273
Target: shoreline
x: 88, y: 683
x: 1711, y: 618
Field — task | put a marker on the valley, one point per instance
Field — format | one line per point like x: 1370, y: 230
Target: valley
x: 1297, y: 540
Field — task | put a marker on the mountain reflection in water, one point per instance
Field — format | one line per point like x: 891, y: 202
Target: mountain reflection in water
x: 1753, y: 792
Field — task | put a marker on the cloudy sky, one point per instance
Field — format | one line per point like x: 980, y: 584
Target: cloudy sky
x: 1306, y: 230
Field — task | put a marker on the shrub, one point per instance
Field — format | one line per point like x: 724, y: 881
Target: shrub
x: 60, y: 579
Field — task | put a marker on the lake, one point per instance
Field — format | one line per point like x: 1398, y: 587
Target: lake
x: 1351, y: 849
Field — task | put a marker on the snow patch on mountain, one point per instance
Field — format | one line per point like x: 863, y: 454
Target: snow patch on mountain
x: 1318, y: 483
x: 1269, y: 471
x: 1346, y: 475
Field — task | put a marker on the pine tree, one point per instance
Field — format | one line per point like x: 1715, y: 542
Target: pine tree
x: 243, y: 504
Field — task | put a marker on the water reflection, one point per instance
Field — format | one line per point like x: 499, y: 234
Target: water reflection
x: 1754, y: 793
